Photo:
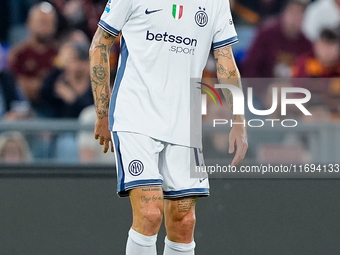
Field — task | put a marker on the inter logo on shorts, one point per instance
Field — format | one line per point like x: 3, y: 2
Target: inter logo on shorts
x: 177, y: 11
x: 201, y: 17
x: 136, y: 167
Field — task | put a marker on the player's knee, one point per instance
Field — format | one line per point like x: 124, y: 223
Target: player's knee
x: 152, y: 217
x: 180, y: 228
x: 188, y: 222
x: 183, y: 220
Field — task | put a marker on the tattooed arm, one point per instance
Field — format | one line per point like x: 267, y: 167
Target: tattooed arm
x: 228, y: 73
x: 100, y: 79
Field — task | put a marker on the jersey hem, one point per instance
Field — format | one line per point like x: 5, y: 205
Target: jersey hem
x: 108, y: 28
x: 224, y: 43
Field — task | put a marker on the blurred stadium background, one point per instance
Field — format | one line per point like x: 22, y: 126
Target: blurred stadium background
x: 57, y: 190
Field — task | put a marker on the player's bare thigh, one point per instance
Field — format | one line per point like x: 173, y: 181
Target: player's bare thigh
x: 147, y: 208
x: 180, y: 218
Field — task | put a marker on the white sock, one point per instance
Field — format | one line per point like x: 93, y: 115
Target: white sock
x: 139, y: 244
x: 172, y: 248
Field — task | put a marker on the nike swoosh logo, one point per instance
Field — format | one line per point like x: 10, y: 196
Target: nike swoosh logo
x: 203, y: 179
x: 149, y: 12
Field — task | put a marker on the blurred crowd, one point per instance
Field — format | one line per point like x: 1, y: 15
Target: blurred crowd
x: 45, y: 74
x: 293, y: 43
x: 44, y: 66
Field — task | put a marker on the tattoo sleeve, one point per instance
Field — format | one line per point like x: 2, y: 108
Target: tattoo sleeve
x: 100, y: 71
x: 227, y: 72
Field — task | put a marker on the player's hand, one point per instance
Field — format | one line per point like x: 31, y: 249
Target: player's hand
x: 238, y: 137
x: 103, y: 134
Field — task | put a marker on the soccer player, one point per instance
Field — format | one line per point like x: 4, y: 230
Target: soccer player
x: 163, y: 46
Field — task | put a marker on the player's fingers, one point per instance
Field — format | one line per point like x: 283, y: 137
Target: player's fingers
x: 240, y: 152
x: 236, y: 159
x: 96, y: 136
x: 231, y: 144
x: 238, y: 155
x: 245, y: 148
x: 101, y: 140
x: 106, y: 145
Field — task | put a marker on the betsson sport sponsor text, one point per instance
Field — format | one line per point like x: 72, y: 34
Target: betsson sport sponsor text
x: 190, y: 43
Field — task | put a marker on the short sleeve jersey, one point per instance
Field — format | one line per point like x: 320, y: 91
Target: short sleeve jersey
x: 164, y: 44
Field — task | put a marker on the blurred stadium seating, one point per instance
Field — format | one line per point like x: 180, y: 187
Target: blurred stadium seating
x: 319, y: 140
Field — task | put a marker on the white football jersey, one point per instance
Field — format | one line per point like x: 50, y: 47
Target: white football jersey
x: 163, y: 45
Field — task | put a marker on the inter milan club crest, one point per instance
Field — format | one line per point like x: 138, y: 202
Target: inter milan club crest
x: 136, y: 167
x: 201, y: 17
x: 177, y: 11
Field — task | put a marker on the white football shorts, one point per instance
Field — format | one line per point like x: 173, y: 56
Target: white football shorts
x: 143, y: 161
